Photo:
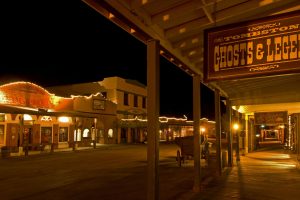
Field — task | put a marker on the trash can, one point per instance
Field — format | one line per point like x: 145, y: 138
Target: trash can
x: 5, y: 152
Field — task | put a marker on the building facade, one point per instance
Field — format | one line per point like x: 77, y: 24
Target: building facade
x: 32, y: 117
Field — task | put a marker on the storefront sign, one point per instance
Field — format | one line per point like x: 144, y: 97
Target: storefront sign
x: 267, y: 46
x: 271, y: 118
x: 98, y: 104
x: 25, y: 94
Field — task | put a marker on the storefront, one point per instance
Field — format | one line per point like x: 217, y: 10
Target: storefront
x: 32, y: 117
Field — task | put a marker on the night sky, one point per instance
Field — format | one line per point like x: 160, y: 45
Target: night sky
x: 65, y: 41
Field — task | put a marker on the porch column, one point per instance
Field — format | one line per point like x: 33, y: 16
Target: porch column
x: 229, y: 139
x: 153, y: 84
x: 196, y: 116
x: 129, y: 135
x: 246, y: 135
x: 119, y: 135
x: 218, y: 131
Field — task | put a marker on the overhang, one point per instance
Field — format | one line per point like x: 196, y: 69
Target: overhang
x: 179, y: 26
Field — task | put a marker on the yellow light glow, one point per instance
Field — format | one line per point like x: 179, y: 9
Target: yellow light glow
x: 110, y: 16
x: 182, y: 30
x: 235, y: 126
x: 195, y: 40
x: 132, y: 30
x: 202, y: 129
x: 166, y: 17
x: 192, y: 53
x: 3, y: 98
x: 63, y: 119
x: 27, y: 117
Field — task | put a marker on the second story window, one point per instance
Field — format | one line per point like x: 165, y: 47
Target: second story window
x: 135, y: 101
x: 126, y: 99
x: 104, y: 94
x: 144, y: 102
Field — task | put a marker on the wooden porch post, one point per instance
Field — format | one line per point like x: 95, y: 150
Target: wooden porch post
x: 218, y: 131
x: 153, y: 83
x: 196, y: 116
x: 229, y: 139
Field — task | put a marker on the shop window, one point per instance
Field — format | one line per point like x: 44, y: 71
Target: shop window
x: 2, y: 117
x: 135, y: 101
x: 46, y: 135
x: 63, y: 134
x: 77, y: 135
x: 1, y: 134
x: 101, y: 133
x: 86, y: 133
x: 110, y: 133
x: 126, y: 99
x: 144, y: 102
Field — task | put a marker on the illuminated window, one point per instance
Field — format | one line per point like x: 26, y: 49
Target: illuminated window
x: 135, y: 101
x: 63, y: 134
x: 86, y: 132
x: 63, y: 119
x: 110, y: 133
x: 27, y: 117
x: 126, y: 99
x: 77, y: 135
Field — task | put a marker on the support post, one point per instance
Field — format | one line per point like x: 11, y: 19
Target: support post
x: 153, y: 84
x: 238, y: 139
x: 196, y: 116
x: 218, y: 131
x: 246, y: 144
x: 229, y: 138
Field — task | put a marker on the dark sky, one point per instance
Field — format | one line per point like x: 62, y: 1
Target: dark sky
x: 65, y: 41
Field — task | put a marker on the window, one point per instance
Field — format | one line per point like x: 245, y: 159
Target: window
x: 77, y: 135
x: 110, y: 133
x: 144, y: 102
x: 2, y: 117
x: 1, y: 134
x: 46, y: 135
x: 135, y: 101
x: 126, y: 99
x: 63, y: 134
x: 104, y: 94
x: 86, y: 132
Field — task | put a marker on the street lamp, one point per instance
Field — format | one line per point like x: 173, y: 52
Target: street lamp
x: 236, y: 128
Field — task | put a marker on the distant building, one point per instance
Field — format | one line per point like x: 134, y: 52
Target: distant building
x: 130, y: 97
x: 33, y: 117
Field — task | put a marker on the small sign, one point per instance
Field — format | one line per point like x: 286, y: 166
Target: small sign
x: 266, y: 46
x: 271, y: 118
x: 98, y: 104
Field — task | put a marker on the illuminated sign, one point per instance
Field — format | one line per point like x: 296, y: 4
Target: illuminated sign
x: 271, y: 118
x: 267, y: 46
x: 26, y: 94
